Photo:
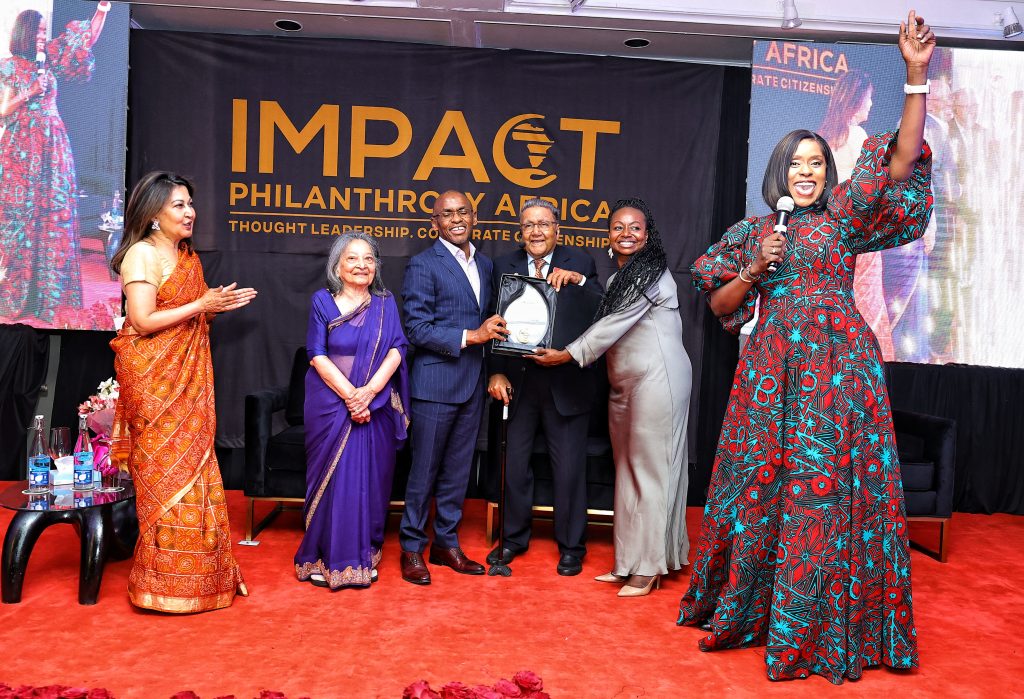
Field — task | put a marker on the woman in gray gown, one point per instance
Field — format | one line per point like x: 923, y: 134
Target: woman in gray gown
x: 639, y: 327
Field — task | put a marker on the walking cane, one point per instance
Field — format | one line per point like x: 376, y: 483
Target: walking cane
x: 500, y: 567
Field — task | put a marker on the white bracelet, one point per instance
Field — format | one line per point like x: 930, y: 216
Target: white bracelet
x: 752, y: 277
x: 909, y: 89
x: 103, y: 6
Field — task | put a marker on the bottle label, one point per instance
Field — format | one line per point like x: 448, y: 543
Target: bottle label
x: 83, y: 470
x: 39, y: 471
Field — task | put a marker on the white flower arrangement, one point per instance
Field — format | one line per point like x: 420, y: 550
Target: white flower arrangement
x: 105, y: 398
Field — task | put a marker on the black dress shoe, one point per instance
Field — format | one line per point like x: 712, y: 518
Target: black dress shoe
x: 455, y: 559
x: 414, y: 570
x: 507, y: 555
x: 569, y: 564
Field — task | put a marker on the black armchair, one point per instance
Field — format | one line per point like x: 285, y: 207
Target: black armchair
x: 927, y: 451
x: 275, y: 462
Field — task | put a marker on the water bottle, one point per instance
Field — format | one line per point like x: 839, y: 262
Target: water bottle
x: 38, y: 460
x: 116, y: 231
x: 83, y: 457
x: 116, y: 210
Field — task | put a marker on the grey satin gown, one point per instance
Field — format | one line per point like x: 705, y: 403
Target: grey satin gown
x: 649, y: 372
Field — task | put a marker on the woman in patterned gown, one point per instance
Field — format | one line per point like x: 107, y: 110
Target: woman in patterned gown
x: 357, y: 394
x: 804, y: 542
x: 165, y: 421
x: 38, y: 190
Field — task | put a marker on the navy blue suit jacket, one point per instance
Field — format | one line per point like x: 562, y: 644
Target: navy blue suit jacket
x: 439, y: 304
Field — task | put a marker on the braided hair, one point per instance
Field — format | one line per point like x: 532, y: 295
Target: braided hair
x: 643, y: 269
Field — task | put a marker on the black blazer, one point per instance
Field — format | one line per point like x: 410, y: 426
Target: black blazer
x: 572, y: 388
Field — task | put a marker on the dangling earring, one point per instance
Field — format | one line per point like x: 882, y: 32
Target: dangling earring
x: 611, y: 253
x: 155, y: 225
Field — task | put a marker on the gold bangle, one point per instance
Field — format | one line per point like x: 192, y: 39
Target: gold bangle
x: 752, y: 277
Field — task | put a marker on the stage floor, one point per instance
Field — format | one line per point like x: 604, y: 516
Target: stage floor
x: 573, y: 632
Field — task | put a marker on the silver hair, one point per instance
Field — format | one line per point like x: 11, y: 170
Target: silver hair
x: 334, y: 282
x: 542, y: 203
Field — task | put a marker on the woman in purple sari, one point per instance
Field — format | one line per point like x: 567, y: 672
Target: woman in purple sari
x: 355, y: 417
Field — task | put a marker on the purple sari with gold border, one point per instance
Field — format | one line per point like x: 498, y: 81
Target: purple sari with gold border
x: 349, y: 466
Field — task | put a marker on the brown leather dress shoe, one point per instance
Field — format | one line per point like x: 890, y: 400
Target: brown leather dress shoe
x: 455, y: 559
x: 414, y: 570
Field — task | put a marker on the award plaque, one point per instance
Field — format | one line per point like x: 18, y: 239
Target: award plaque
x: 528, y: 306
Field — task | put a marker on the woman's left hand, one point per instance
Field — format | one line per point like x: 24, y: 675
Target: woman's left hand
x: 549, y: 357
x: 916, y: 41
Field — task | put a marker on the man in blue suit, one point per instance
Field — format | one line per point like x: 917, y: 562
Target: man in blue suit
x: 446, y: 293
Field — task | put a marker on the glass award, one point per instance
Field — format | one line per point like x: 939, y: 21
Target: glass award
x: 528, y: 306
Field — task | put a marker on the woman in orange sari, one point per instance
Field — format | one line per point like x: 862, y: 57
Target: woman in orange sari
x: 165, y: 421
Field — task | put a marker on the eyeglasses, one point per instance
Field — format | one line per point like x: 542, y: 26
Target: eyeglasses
x: 542, y: 226
x: 449, y: 214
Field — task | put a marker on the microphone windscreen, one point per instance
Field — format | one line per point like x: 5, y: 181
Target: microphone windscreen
x: 785, y: 204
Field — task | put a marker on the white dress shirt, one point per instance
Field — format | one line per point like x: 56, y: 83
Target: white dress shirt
x: 468, y: 266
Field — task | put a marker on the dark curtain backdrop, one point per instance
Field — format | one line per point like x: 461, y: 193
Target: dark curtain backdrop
x: 720, y: 349
x: 668, y: 116
x: 24, y: 353
x: 85, y: 360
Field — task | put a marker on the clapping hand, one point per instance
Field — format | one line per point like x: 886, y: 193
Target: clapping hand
x: 226, y: 298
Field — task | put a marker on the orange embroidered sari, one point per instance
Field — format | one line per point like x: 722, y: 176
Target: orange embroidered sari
x: 163, y: 432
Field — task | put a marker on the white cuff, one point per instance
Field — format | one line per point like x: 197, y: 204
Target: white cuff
x: 464, y: 334
x: 583, y: 280
x: 909, y: 89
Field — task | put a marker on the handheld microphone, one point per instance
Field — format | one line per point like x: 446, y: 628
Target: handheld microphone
x: 783, y: 208
x: 40, y: 62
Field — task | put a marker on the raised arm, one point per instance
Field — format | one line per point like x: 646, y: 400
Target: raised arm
x: 916, y: 42
x: 99, y: 17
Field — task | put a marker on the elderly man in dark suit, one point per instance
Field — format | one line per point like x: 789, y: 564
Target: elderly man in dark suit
x: 446, y: 293
x: 555, y: 400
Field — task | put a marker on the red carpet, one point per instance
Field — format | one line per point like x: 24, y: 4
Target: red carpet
x: 573, y: 632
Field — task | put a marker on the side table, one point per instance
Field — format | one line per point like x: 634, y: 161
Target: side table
x: 104, y: 531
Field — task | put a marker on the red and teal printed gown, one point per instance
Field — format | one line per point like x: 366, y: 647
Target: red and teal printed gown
x: 39, y: 245
x: 803, y: 546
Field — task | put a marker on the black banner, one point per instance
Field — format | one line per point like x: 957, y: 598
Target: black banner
x: 293, y: 141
